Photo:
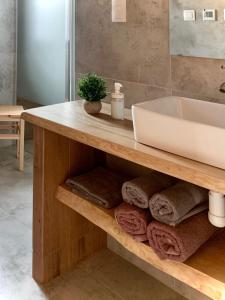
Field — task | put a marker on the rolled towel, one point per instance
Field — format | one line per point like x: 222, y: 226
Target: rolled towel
x: 179, y: 243
x: 101, y: 186
x: 133, y: 220
x: 139, y: 190
x: 178, y: 203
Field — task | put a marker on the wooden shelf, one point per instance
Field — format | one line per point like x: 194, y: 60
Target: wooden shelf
x: 204, y: 271
x: 117, y: 138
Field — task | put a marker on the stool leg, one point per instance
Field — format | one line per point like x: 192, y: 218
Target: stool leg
x: 21, y: 146
x: 18, y: 141
x: 17, y: 148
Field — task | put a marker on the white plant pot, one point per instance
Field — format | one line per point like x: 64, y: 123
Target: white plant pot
x: 92, y: 107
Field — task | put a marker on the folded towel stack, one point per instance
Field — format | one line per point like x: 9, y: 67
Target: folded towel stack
x: 182, y: 224
x: 101, y: 186
x: 178, y: 203
x: 179, y: 243
x: 139, y: 190
x: 133, y: 220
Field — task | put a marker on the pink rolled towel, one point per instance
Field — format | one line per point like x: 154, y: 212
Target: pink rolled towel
x: 139, y: 190
x: 179, y: 243
x: 133, y: 220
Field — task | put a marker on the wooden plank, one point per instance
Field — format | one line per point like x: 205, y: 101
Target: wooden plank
x: 38, y: 196
x: 9, y: 136
x: 9, y: 127
x: 200, y: 272
x: 117, y: 138
x: 9, y: 119
x: 61, y: 237
x: 11, y: 110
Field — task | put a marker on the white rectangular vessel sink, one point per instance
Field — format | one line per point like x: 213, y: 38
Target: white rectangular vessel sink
x: 191, y: 128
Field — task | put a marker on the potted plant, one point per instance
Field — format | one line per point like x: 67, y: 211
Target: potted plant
x: 92, y: 88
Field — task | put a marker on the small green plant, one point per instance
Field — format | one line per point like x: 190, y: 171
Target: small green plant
x: 92, y: 88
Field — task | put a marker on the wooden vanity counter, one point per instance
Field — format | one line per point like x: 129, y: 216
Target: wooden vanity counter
x: 67, y: 228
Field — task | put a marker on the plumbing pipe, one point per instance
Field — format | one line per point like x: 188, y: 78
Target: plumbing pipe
x: 217, y: 209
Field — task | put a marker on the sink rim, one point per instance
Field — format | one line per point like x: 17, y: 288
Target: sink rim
x: 187, y: 121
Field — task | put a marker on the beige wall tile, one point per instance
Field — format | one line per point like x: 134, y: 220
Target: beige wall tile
x: 93, y: 36
x: 136, y: 92
x: 137, y: 53
x: 201, y: 77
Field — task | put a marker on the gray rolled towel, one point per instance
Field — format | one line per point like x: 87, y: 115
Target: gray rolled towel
x: 178, y: 203
x: 139, y: 190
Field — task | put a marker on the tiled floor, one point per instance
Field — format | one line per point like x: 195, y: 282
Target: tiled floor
x: 105, y: 276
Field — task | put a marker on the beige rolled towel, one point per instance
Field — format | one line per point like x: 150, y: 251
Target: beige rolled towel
x: 178, y: 203
x: 139, y: 190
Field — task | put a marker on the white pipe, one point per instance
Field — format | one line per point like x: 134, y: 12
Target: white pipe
x: 217, y: 209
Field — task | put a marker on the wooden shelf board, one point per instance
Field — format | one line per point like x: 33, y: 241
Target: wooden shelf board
x: 204, y: 271
x: 117, y: 138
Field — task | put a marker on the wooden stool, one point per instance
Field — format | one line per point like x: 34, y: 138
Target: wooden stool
x: 12, y: 114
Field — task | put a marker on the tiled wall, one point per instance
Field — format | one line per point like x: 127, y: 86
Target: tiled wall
x: 137, y: 53
x: 7, y: 51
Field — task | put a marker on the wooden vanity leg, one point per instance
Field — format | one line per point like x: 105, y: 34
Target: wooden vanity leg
x: 61, y: 237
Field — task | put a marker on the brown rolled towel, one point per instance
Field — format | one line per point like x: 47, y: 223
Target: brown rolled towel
x: 101, y: 186
x: 139, y: 190
x: 179, y: 243
x: 178, y: 203
x: 133, y: 220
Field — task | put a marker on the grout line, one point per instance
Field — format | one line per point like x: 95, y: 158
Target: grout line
x: 171, y: 90
x: 136, y: 82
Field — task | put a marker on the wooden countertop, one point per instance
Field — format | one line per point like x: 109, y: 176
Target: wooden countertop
x: 117, y: 138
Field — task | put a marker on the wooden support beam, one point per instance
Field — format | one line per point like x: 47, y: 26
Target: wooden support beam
x: 61, y: 237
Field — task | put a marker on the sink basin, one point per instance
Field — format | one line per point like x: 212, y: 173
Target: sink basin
x: 191, y: 128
